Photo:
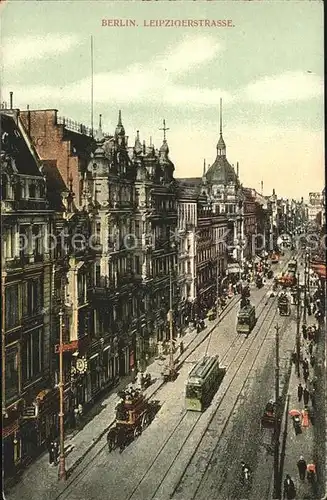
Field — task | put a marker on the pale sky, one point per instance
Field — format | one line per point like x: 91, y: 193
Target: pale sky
x: 268, y: 69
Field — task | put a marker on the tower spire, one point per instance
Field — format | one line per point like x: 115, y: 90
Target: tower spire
x: 221, y: 117
x: 221, y: 146
x: 204, y: 167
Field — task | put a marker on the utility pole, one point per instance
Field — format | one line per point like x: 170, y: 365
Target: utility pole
x: 277, y: 413
x: 62, y: 466
x: 298, y: 298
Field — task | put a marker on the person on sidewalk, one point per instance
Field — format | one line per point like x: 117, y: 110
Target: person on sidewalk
x: 299, y: 392
x: 305, y: 374
x: 289, y: 488
x: 306, y: 396
x: 302, y: 467
x: 313, y: 397
x: 55, y: 452
x: 312, y: 360
x: 50, y: 450
x: 311, y: 473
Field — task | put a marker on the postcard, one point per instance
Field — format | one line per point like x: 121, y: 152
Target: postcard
x: 163, y: 269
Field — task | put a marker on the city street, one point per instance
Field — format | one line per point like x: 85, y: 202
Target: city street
x: 188, y: 455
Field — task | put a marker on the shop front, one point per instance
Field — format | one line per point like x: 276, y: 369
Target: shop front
x: 11, y: 445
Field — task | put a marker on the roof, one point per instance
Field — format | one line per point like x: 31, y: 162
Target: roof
x: 191, y: 181
x: 221, y: 171
x: 55, y: 184
x: 15, y: 142
x: 203, y: 367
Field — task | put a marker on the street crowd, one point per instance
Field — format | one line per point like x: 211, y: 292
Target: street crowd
x: 306, y: 391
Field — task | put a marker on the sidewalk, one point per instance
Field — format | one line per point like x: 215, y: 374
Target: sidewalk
x: 292, y: 445
x: 44, y: 478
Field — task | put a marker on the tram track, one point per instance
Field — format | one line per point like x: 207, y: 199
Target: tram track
x: 194, y: 419
x: 146, y: 486
x: 205, y: 448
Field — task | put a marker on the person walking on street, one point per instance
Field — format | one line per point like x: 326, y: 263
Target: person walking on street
x: 311, y: 347
x: 306, y: 396
x: 289, y: 488
x: 50, y: 450
x: 313, y: 397
x: 304, y: 332
x: 305, y: 374
x: 55, y: 452
x: 299, y: 392
x: 302, y: 467
x: 312, y: 360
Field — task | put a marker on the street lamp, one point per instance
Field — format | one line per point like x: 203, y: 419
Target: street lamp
x: 277, y: 413
x: 298, y: 326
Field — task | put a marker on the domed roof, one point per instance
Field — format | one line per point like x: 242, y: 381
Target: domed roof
x: 164, y: 148
x: 221, y: 172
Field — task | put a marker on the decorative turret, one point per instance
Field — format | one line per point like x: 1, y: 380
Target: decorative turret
x: 137, y: 145
x: 166, y: 165
x: 99, y: 137
x: 120, y: 132
x: 221, y: 146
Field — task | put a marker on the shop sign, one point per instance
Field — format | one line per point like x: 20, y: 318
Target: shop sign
x: 31, y: 411
x: 81, y: 365
x: 72, y: 346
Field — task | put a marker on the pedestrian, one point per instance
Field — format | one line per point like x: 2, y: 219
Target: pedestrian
x: 306, y: 396
x: 305, y: 364
x: 304, y: 331
x: 311, y: 472
x: 312, y: 360
x: 313, y: 397
x: 305, y: 375
x: 289, y: 488
x: 311, y: 347
x: 302, y: 467
x: 50, y: 450
x: 299, y: 392
x: 55, y: 452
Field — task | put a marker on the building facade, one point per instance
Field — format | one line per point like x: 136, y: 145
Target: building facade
x: 27, y: 392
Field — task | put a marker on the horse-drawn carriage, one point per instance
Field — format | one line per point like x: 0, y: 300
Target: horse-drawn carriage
x: 133, y: 414
x: 284, y: 307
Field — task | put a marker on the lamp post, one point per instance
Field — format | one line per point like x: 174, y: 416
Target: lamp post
x: 3, y: 339
x: 305, y: 288
x: 171, y: 329
x: 62, y: 466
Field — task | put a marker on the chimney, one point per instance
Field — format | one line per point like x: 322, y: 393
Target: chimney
x: 237, y: 170
x: 11, y: 99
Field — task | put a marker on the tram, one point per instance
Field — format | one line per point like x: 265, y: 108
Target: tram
x: 246, y: 319
x: 203, y: 382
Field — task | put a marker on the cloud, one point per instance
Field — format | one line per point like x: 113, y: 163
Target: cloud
x: 17, y: 50
x: 190, y: 53
x: 289, y: 86
x: 154, y: 82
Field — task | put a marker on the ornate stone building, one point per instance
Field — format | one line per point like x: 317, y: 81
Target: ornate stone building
x: 27, y: 396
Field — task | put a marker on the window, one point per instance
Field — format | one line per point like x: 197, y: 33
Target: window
x: 37, y: 242
x: 32, y: 297
x: 32, y: 354
x: 11, y: 378
x: 97, y: 274
x: 9, y: 243
x: 18, y: 191
x: 23, y: 241
x: 12, y: 316
x: 81, y: 287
